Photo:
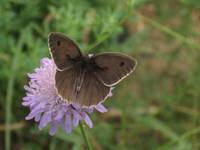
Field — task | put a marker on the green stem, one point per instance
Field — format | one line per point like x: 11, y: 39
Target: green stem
x: 89, y: 146
x: 9, y: 96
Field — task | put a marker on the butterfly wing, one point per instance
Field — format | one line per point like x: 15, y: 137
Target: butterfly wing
x: 114, y: 67
x: 92, y: 91
x: 65, y: 82
x: 80, y: 87
x: 63, y: 50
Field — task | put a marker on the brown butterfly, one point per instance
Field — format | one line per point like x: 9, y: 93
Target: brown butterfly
x: 86, y: 79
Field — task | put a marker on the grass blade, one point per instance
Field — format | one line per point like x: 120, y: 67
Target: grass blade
x: 9, y: 96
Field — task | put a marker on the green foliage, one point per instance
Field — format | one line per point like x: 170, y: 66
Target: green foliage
x: 156, y: 108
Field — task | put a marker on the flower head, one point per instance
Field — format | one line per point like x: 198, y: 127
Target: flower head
x: 47, y: 107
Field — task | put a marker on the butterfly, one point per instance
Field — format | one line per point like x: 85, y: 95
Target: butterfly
x: 86, y: 80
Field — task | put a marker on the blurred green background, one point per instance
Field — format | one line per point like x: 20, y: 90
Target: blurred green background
x: 156, y: 108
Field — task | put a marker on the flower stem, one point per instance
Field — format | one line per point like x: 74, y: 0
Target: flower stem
x: 85, y: 136
x: 9, y: 96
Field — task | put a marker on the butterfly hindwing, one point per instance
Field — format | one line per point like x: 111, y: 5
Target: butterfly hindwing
x: 64, y: 81
x: 79, y: 87
x: 92, y: 91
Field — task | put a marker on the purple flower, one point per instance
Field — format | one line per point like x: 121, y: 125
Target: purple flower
x: 47, y: 107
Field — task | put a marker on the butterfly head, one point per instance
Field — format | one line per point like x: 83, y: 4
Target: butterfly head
x: 90, y: 55
x: 86, y: 62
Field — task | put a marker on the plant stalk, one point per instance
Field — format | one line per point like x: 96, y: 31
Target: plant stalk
x: 85, y: 137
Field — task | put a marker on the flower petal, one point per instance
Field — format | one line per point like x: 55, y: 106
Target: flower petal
x: 76, y: 118
x: 68, y: 124
x: 45, y: 119
x: 101, y: 108
x: 88, y: 121
x: 37, y: 117
x: 54, y: 127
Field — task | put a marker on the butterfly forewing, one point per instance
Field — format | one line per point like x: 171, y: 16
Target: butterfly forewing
x: 63, y: 50
x: 114, y: 67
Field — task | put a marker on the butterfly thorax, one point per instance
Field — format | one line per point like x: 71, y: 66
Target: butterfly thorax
x: 86, y: 63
